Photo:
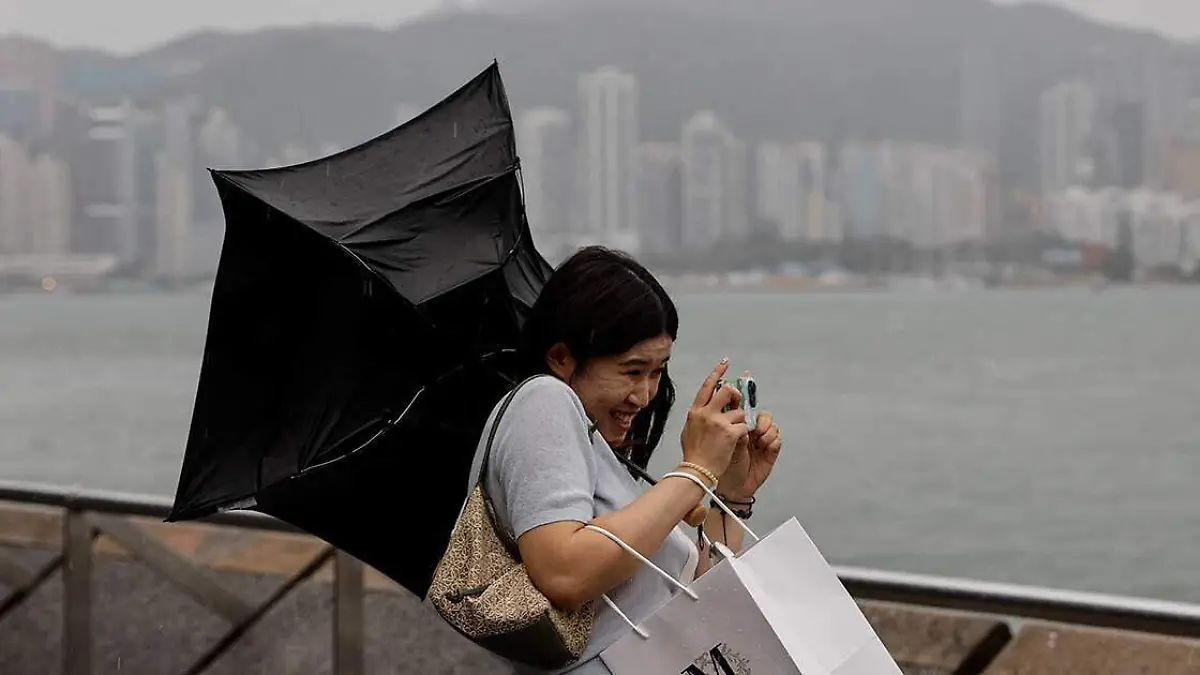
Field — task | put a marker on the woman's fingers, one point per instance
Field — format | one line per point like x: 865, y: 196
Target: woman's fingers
x: 763, y: 424
x: 766, y: 433
x: 708, y: 389
x: 772, y: 441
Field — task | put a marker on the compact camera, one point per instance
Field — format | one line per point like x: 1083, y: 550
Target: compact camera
x: 749, y: 390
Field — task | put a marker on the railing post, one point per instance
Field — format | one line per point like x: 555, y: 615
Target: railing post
x: 348, y: 615
x: 77, y: 593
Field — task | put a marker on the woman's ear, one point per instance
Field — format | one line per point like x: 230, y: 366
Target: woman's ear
x: 561, y: 363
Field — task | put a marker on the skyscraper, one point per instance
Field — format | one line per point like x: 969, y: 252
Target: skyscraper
x: 715, y: 182
x: 1066, y: 131
x: 608, y: 156
x: 29, y: 74
x: 791, y: 189
x: 14, y: 167
x: 48, y: 210
x: 864, y: 192
x: 174, y: 201
x: 545, y: 146
x: 659, y: 194
x: 106, y: 184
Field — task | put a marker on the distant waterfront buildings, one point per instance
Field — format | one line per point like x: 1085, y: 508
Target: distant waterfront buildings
x: 1165, y: 227
x: 546, y: 148
x: 128, y: 180
x: 1066, y: 132
x: 660, y: 197
x: 791, y: 190
x: 715, y: 190
x: 608, y: 141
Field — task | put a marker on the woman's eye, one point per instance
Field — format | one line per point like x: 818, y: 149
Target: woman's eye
x: 642, y: 372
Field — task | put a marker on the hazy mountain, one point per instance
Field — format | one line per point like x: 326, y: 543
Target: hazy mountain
x: 769, y: 68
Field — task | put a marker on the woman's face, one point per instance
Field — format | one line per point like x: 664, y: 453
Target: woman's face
x: 614, y: 389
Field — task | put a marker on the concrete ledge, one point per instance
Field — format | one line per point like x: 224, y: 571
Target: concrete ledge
x: 929, y: 642
x: 1049, y: 649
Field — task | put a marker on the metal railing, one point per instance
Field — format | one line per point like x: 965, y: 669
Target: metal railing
x: 89, y: 512
x: 1025, y: 602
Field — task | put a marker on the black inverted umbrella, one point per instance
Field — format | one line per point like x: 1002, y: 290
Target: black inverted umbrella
x: 362, y: 316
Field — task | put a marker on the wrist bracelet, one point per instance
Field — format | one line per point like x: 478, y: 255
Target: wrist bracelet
x: 712, y: 477
x: 744, y: 514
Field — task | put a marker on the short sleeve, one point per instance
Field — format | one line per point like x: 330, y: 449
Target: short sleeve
x: 542, y: 468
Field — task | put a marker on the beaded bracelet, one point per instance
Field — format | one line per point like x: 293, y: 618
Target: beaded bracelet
x: 712, y: 477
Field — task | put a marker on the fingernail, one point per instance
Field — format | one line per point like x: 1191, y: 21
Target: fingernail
x: 725, y: 360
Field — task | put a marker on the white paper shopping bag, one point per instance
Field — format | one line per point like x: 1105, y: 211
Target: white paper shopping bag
x: 722, y: 632
x: 809, y: 609
x: 779, y: 608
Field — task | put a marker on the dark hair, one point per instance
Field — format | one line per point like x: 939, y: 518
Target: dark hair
x: 601, y: 302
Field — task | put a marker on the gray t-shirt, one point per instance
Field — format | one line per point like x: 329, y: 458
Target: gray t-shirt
x: 546, y: 467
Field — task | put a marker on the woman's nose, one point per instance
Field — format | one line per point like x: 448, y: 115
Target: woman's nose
x: 640, y: 396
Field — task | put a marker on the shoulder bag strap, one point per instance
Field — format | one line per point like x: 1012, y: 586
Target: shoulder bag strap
x: 505, y: 537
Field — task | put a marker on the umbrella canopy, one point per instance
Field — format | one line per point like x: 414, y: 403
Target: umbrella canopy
x: 361, y: 316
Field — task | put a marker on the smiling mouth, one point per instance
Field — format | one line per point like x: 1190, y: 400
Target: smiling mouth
x: 624, y: 419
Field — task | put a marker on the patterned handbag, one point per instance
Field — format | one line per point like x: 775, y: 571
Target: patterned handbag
x: 481, y: 588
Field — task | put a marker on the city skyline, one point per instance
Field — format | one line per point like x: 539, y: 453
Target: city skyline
x: 125, y: 179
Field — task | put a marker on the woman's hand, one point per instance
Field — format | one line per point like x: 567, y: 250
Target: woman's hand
x: 753, y: 460
x: 710, y: 435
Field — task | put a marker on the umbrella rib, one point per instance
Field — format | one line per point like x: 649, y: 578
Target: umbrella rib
x: 370, y: 440
x: 391, y: 424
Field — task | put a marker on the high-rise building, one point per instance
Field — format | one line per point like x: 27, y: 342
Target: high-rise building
x: 1142, y: 98
x: 174, y: 204
x: 1184, y: 168
x: 715, y: 183
x: 1166, y: 78
x: 546, y: 149
x: 608, y: 141
x: 28, y: 86
x: 791, y: 189
x: 105, y: 183
x: 14, y: 169
x: 660, y: 193
x: 737, y: 179
x: 35, y: 209
x: 219, y: 141
x: 48, y: 212
x: 1066, y: 136
x: 864, y: 189
x: 771, y: 180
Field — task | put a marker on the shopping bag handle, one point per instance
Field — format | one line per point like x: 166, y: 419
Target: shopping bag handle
x: 641, y: 632
x: 645, y: 561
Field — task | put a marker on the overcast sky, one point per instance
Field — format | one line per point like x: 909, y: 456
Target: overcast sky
x: 130, y: 25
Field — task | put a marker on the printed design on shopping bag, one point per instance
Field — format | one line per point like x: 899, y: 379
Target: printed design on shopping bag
x: 720, y: 660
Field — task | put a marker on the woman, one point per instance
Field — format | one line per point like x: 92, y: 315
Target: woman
x: 604, y: 328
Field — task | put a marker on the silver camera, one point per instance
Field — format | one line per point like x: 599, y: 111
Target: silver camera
x: 749, y: 391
